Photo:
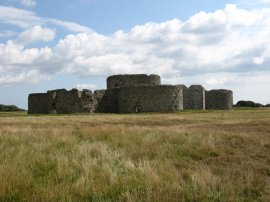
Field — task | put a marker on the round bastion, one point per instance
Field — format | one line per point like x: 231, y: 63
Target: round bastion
x: 219, y: 99
x: 127, y: 80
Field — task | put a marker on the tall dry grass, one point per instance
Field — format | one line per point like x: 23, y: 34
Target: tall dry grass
x: 187, y: 156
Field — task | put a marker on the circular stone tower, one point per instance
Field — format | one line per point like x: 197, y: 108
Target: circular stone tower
x: 219, y: 99
x: 127, y: 80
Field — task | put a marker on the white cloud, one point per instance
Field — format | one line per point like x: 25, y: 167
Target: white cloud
x: 11, y: 54
x: 34, y: 34
x: 28, y: 2
x: 261, y: 1
x: 245, y: 85
x: 86, y: 86
x: 225, y: 40
x: 27, y: 19
x: 214, y: 49
x: 19, y: 17
x: 252, y: 2
x: 7, y: 34
x: 71, y: 26
x: 32, y: 76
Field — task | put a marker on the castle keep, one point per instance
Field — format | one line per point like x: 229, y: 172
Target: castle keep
x: 130, y: 94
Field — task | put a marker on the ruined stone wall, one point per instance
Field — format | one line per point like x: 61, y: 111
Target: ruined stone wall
x: 88, y: 101
x: 118, y: 81
x: 194, y: 97
x: 219, y: 99
x: 164, y: 98
x: 107, y: 101
x: 74, y: 101
x: 98, y: 96
x: 61, y: 101
x: 130, y: 94
x: 38, y: 103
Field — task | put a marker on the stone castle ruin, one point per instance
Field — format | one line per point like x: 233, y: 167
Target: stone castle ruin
x: 130, y: 94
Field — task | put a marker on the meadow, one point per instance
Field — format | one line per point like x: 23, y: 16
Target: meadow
x: 184, y: 156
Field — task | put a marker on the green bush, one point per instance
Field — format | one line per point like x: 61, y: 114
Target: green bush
x: 9, y: 108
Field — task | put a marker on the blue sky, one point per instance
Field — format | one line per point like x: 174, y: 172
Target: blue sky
x: 77, y: 44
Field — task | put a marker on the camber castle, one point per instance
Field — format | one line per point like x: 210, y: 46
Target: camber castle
x: 130, y: 94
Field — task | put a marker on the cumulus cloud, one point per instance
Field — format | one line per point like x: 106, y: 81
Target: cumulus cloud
x: 32, y: 76
x: 231, y: 40
x: 15, y: 57
x: 36, y: 33
x: 28, y: 2
x: 213, y: 48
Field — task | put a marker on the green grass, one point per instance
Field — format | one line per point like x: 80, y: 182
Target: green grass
x: 13, y: 114
x: 185, y: 156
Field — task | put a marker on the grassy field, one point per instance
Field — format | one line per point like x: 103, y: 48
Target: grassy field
x: 185, y: 156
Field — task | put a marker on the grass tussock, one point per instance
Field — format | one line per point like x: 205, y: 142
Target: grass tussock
x: 187, y: 156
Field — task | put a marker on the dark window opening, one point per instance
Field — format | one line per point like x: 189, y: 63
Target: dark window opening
x: 137, y: 109
x: 53, y: 105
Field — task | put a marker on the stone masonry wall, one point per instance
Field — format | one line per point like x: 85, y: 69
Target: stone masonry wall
x: 118, y: 81
x: 194, y: 97
x: 98, y: 96
x: 38, y: 103
x: 74, y: 101
x: 88, y: 101
x: 130, y: 94
x: 108, y: 101
x: 164, y: 98
x: 219, y: 99
x: 61, y: 101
